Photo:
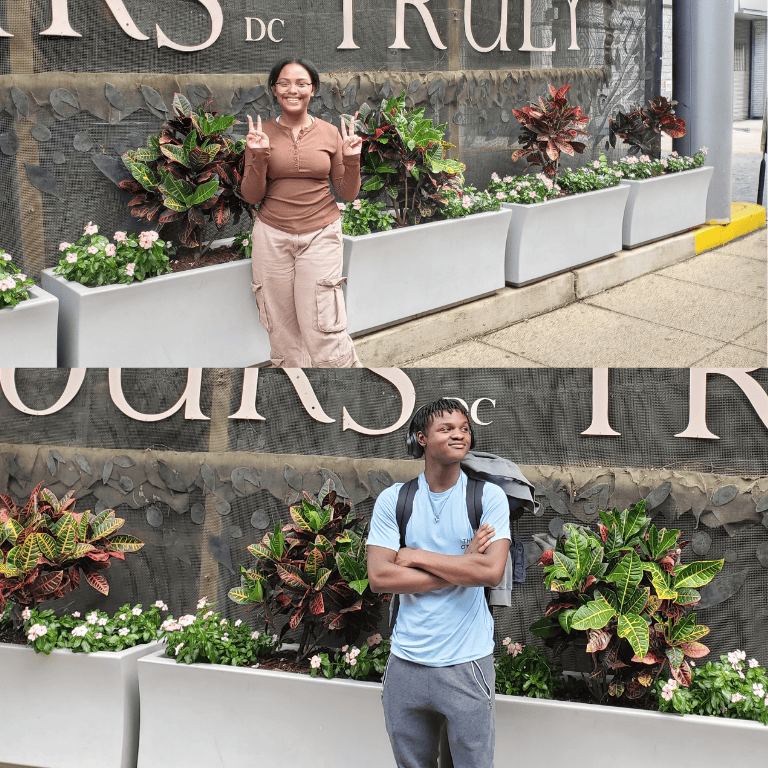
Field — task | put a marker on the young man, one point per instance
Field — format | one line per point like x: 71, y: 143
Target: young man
x: 441, y: 668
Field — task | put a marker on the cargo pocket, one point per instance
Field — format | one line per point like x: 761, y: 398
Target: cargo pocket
x: 258, y: 292
x: 330, y: 315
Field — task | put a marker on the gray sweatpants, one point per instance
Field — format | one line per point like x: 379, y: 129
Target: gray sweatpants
x: 419, y: 701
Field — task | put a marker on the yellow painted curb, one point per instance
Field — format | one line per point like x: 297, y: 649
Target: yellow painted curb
x: 745, y: 218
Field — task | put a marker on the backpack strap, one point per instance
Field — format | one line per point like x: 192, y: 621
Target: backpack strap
x: 403, y: 512
x: 475, y: 501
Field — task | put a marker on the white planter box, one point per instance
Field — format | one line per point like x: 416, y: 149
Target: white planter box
x: 557, y: 235
x: 28, y: 331
x: 665, y: 205
x: 203, y: 715
x: 70, y: 710
x: 396, y: 275
x: 537, y: 731
x: 204, y: 317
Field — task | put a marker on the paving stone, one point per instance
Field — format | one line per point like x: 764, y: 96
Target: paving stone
x: 474, y: 354
x: 731, y: 356
x: 756, y: 339
x: 725, y: 271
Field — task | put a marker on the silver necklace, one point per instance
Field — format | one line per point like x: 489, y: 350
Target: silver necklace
x: 435, y: 514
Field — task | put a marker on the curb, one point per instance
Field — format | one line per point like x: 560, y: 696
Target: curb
x: 745, y: 218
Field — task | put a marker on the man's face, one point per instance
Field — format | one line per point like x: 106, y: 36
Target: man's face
x: 448, y: 437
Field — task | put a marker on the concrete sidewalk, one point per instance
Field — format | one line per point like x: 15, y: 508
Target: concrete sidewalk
x: 659, y: 305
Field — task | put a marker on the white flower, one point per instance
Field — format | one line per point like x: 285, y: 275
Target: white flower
x: 161, y: 605
x: 98, y: 635
x: 187, y: 620
x: 80, y: 631
x: 246, y: 242
x: 668, y: 689
x: 225, y: 638
x: 71, y: 258
x: 374, y: 639
x: 92, y: 618
x: 737, y: 697
x: 206, y: 615
x: 704, y: 150
x: 76, y: 615
x: 35, y: 631
x: 222, y: 622
x: 342, y: 206
x: 120, y: 237
x: 506, y: 641
x: 315, y: 662
x: 21, y: 277
x: 64, y: 246
x: 758, y: 690
x: 169, y: 625
x: 514, y: 649
x: 102, y: 622
x: 466, y: 201
x: 178, y: 648
x: 26, y: 614
x: 352, y: 661
x: 507, y: 179
x: 110, y: 250
x: 254, y: 635
x: 495, y: 177
x: 91, y: 228
x: 201, y: 603
x: 753, y: 663
x: 238, y: 622
x: 122, y: 617
x: 123, y: 631
x: 345, y: 648
x: 93, y: 250
x: 130, y: 268
x: 136, y: 611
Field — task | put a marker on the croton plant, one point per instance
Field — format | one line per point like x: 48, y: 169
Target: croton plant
x: 45, y: 545
x: 550, y: 128
x: 405, y: 155
x: 190, y: 173
x: 314, y: 571
x: 623, y: 596
x: 642, y: 127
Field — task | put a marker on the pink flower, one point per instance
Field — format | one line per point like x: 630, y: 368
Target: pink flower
x: 71, y: 258
x: 120, y: 237
x: 178, y: 648
x: 736, y: 698
x: 187, y: 620
x: 122, y: 631
x: 201, y: 603
x: 92, y: 618
x: 596, y: 164
x: 506, y: 641
x: 122, y: 617
x: 753, y: 663
x: 207, y: 614
x: 254, y: 635
x: 342, y: 206
x: 9, y: 283
x: 98, y: 635
x: 92, y: 249
x: 315, y: 662
x: 169, y: 625
x: 21, y: 277
x: 507, y: 179
x: 758, y: 690
x: 345, y: 648
x: 352, y: 662
x: 161, y: 605
x: 35, y: 631
x: 669, y: 689
x: 102, y: 621
x: 110, y: 250
x: 136, y: 611
x: 374, y: 639
x: 91, y: 228
x: 76, y: 615
x: 357, y: 205
x: 467, y: 201
x: 495, y: 177
x: 64, y: 246
x: 238, y: 622
x: 514, y: 649
x: 129, y: 269
x: 26, y: 614
x: 80, y: 631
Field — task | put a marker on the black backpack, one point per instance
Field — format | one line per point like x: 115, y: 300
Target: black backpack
x: 480, y: 467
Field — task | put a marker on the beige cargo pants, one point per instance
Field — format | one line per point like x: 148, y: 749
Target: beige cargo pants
x: 298, y: 287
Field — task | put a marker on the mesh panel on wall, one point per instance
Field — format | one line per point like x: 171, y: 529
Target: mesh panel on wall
x: 538, y: 416
x: 60, y: 85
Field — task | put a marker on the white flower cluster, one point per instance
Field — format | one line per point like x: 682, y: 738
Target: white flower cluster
x: 513, y: 649
x: 669, y: 688
x: 35, y: 631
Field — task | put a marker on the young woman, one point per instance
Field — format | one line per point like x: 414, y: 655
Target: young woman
x: 297, y: 243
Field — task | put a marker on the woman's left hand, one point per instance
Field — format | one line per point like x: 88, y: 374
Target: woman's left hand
x: 352, y: 144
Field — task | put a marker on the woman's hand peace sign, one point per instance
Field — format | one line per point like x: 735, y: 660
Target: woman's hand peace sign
x: 352, y: 144
x: 256, y: 138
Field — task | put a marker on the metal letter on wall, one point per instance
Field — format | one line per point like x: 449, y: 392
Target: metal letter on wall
x: 217, y: 22
x: 600, y: 424
x: 473, y: 411
x: 527, y: 44
x: 697, y: 419
x: 270, y: 28
x: 248, y: 399
x: 307, y: 395
x: 8, y: 385
x: 574, y: 46
x: 3, y: 33
x: 501, y: 40
x: 407, y: 396
x: 190, y: 398
x: 348, y: 11
x: 426, y: 18
x: 60, y: 26
x: 249, y: 38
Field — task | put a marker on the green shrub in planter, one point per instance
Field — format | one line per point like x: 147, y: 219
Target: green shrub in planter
x: 725, y: 688
x: 13, y: 283
x: 622, y: 596
x: 93, y: 260
x: 314, y: 571
x: 644, y: 167
x: 642, y: 128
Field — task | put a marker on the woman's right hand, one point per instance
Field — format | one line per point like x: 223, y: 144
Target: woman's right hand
x: 256, y: 138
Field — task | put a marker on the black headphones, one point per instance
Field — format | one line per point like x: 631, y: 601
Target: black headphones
x: 412, y: 445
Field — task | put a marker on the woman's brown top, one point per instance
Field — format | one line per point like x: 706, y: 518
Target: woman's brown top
x: 290, y: 178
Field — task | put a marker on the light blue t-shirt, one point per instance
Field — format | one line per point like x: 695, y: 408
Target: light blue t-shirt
x: 451, y: 625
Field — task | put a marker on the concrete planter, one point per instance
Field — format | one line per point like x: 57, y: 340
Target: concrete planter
x: 70, y: 710
x: 557, y: 235
x: 28, y: 332
x: 201, y: 715
x: 665, y: 205
x: 591, y: 734
x: 396, y: 275
x: 204, y: 317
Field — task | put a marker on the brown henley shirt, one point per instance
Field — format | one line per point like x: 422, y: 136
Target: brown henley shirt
x: 290, y: 178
